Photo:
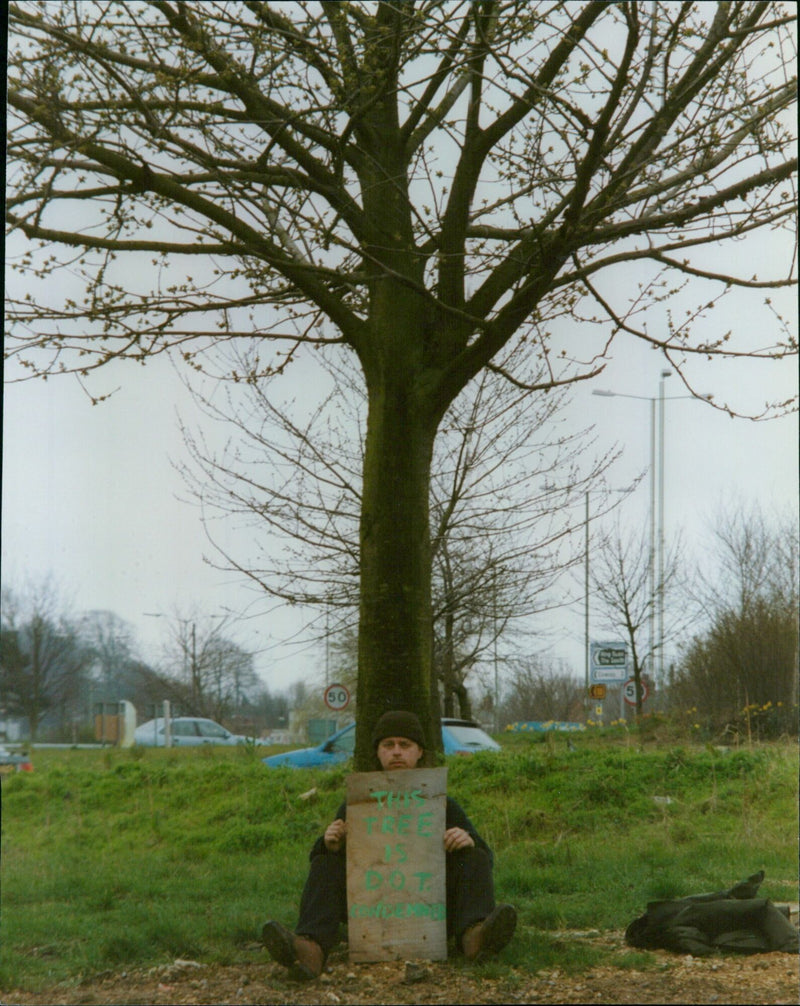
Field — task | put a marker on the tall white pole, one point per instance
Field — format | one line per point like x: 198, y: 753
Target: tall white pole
x: 586, y: 606
x: 327, y: 643
x: 494, y: 646
x: 195, y: 690
x: 664, y: 375
x: 651, y: 566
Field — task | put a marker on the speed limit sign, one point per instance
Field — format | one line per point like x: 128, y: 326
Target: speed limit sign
x: 629, y: 691
x: 337, y: 697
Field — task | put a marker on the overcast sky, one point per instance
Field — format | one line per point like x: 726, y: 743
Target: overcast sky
x: 90, y: 494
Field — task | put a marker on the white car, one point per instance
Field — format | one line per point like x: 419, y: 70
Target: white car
x: 186, y: 731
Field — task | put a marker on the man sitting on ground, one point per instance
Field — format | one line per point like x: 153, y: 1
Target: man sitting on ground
x: 477, y: 925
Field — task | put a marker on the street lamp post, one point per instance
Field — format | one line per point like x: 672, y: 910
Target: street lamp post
x: 659, y: 680
x: 496, y: 664
x: 195, y: 684
x: 651, y: 555
x: 586, y: 607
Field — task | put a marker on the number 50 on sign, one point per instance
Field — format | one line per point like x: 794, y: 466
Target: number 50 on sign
x: 337, y: 697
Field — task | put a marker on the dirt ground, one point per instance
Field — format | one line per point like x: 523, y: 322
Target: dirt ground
x: 760, y: 978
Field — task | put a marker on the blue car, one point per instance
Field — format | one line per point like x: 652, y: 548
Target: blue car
x: 459, y: 737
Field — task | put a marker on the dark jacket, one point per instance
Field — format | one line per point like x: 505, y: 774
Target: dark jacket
x: 735, y: 920
x: 454, y: 818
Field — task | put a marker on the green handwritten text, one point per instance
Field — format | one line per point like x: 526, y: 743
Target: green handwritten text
x: 387, y: 798
x: 401, y: 910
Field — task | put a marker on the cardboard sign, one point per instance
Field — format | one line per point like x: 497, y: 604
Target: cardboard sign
x: 396, y: 894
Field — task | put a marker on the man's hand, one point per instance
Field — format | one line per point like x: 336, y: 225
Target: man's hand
x: 335, y: 835
x: 457, y: 838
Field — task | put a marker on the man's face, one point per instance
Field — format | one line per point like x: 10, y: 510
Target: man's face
x: 398, y: 752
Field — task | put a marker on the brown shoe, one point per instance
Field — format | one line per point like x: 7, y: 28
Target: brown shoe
x: 301, y: 955
x: 490, y: 936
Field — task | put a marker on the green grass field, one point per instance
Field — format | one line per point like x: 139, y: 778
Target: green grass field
x: 115, y: 859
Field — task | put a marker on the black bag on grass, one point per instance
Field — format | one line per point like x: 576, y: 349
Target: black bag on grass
x: 732, y: 920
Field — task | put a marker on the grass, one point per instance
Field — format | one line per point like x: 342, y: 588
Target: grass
x: 115, y: 859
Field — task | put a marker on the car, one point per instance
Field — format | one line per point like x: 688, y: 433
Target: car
x: 460, y: 737
x: 186, y: 731
x: 10, y: 762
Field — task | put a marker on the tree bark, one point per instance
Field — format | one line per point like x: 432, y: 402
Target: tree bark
x: 395, y: 633
x: 464, y: 703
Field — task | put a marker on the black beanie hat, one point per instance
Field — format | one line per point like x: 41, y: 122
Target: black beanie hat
x: 398, y: 723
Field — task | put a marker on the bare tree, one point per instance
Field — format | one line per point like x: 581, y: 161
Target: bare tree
x: 447, y: 184
x: 622, y: 583
x: 209, y: 673
x: 109, y: 644
x: 749, y: 555
x: 747, y: 656
x: 149, y: 686
x: 226, y: 670
x: 537, y: 690
x: 289, y: 477
x: 43, y: 664
x: 499, y: 537
x: 501, y: 529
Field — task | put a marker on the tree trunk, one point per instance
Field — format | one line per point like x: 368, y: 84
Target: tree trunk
x: 395, y: 632
x: 448, y: 674
x: 464, y: 703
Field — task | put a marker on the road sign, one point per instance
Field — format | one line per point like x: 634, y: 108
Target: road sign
x: 597, y: 691
x: 337, y: 697
x: 629, y: 691
x: 609, y: 663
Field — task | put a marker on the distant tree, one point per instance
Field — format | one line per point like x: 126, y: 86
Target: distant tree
x: 537, y: 689
x: 43, y: 664
x: 208, y: 673
x: 270, y: 708
x: 505, y: 481
x: 12, y: 669
x: 440, y: 188
x: 227, y: 677
x: 746, y: 660
x: 108, y: 640
x: 630, y: 593
x: 148, y: 687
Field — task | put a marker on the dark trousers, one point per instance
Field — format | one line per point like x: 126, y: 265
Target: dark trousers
x: 323, y: 905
